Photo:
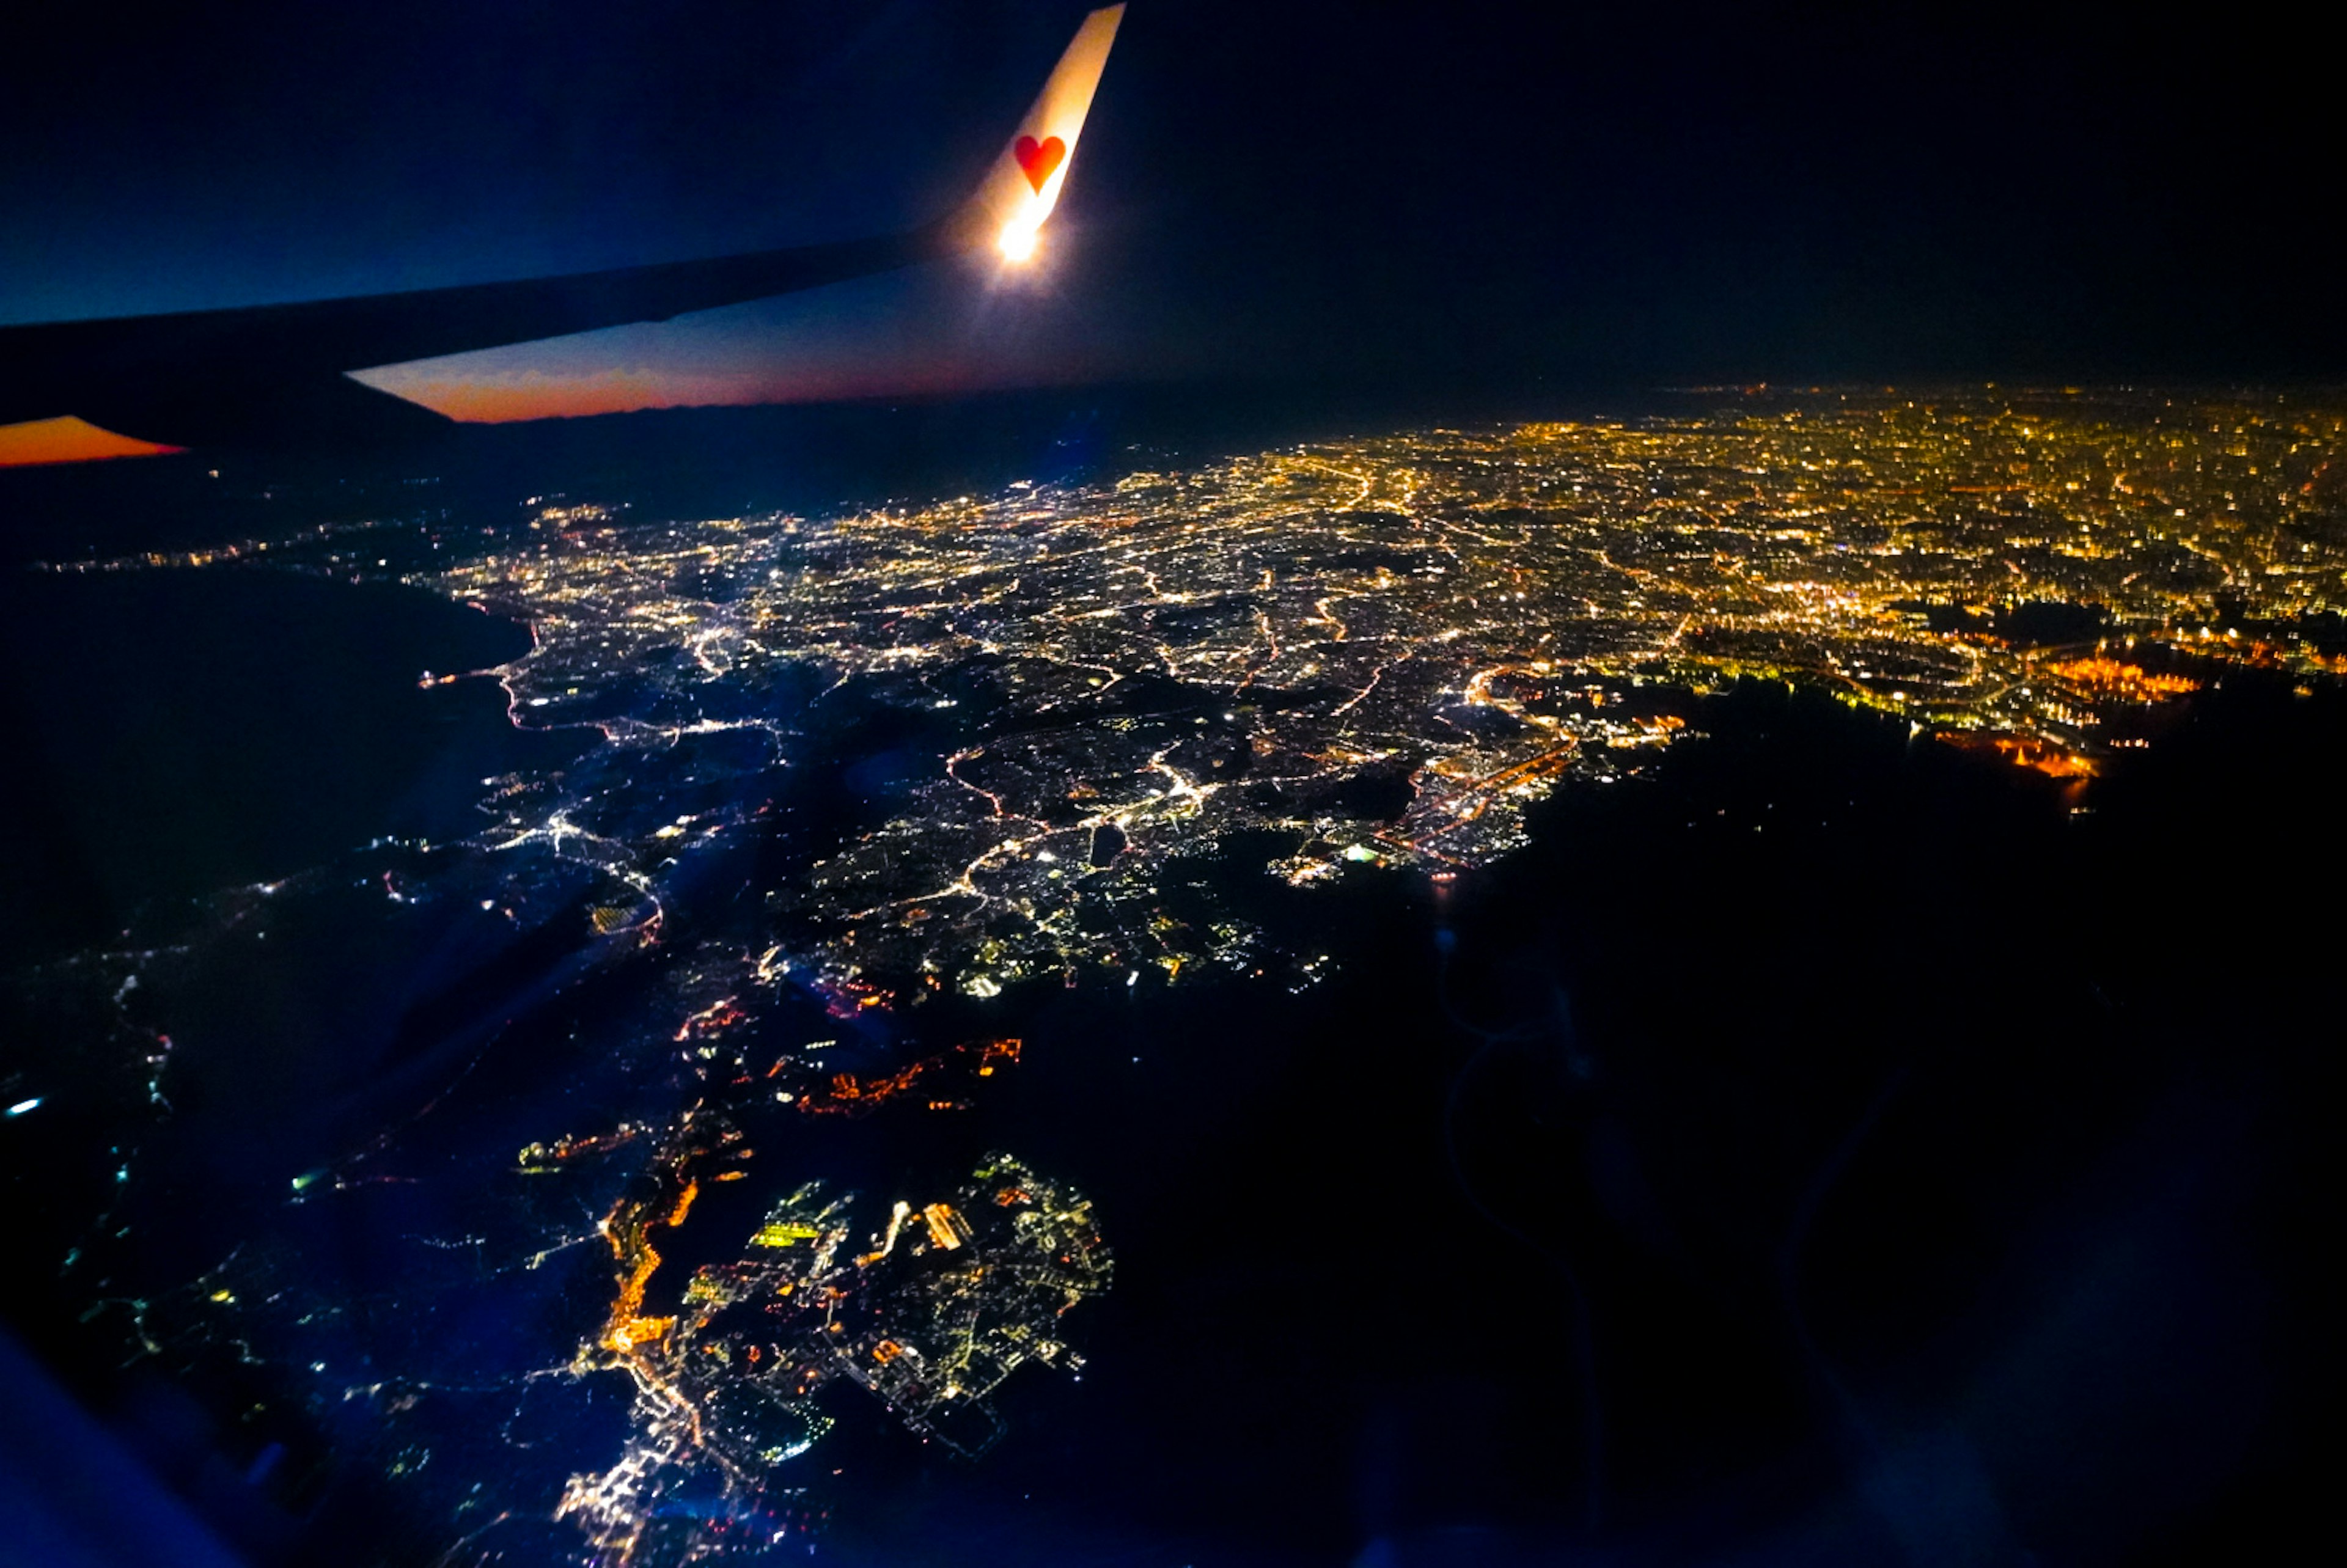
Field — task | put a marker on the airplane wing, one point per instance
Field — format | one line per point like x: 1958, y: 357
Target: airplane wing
x: 1025, y: 182
x: 274, y: 376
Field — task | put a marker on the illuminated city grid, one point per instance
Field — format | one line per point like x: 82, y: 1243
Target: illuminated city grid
x: 1139, y: 672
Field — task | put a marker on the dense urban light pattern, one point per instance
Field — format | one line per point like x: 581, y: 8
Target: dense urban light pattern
x: 841, y: 769
x: 1383, y: 651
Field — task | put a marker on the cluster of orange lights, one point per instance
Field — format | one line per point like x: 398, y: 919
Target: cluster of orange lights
x: 2122, y: 680
x: 2039, y: 756
x: 848, y: 1095
x: 631, y: 1244
x: 711, y: 1020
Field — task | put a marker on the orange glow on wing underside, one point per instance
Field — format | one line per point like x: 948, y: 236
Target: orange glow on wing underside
x: 502, y: 396
x: 500, y: 400
x: 68, y: 441
x: 504, y: 400
x: 496, y: 400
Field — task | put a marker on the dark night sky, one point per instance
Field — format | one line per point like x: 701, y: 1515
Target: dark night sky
x: 1472, y: 195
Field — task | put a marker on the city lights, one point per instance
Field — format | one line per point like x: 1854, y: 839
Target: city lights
x: 1383, y: 651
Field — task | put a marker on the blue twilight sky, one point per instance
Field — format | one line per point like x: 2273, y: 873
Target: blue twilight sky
x: 1487, y: 195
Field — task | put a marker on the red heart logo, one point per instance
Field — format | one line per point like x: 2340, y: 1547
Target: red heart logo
x: 1037, y: 159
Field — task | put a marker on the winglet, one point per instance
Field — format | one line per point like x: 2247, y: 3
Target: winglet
x: 1024, y: 184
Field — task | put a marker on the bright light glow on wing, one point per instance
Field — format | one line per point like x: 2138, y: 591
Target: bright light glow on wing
x: 1018, y: 240
x: 1024, y: 185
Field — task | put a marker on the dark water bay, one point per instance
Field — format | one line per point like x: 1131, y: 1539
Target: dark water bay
x: 173, y: 732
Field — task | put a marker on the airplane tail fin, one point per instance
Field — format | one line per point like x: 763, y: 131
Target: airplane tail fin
x: 1024, y: 184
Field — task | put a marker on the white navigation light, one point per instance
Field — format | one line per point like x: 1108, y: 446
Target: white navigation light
x: 1018, y: 237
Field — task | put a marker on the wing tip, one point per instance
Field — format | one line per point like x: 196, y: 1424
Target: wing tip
x: 1019, y: 192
